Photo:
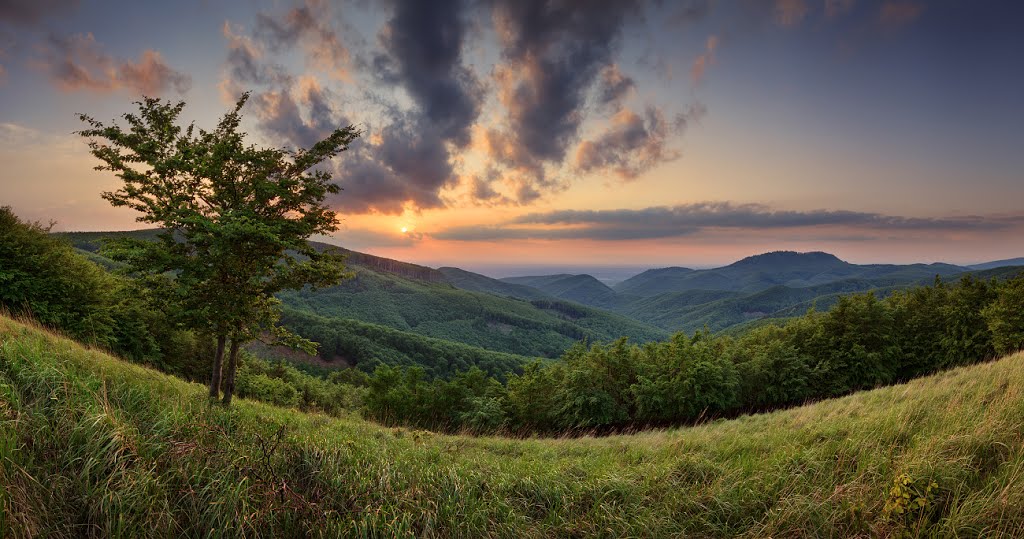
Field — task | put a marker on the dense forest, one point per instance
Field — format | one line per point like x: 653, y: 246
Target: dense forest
x: 862, y: 342
x: 404, y: 378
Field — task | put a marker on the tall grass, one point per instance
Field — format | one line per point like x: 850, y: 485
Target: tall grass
x: 93, y: 446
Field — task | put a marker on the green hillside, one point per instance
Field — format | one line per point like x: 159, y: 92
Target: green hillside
x: 437, y: 309
x: 474, y: 282
x: 88, y: 442
x: 419, y: 300
x: 583, y: 289
x: 785, y: 268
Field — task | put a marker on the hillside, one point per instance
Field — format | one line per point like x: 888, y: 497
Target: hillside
x: 785, y: 268
x: 584, y: 289
x: 999, y: 264
x: 474, y: 282
x: 421, y: 301
x: 93, y: 443
x: 530, y: 328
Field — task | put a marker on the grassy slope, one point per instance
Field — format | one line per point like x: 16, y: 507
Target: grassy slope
x: 92, y: 445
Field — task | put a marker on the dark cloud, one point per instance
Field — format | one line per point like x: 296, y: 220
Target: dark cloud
x: 614, y: 87
x: 689, y: 11
x: 33, y: 11
x: 688, y: 219
x: 380, y: 173
x: 78, y: 62
x: 246, y: 63
x: 280, y: 115
x: 308, y: 24
x: 633, y: 144
x: 553, y: 52
x: 423, y: 44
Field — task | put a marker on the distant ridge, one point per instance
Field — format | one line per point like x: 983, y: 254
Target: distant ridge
x: 999, y: 264
x: 584, y: 289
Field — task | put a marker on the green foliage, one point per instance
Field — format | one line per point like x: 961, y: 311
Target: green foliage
x: 1005, y: 316
x: 535, y: 328
x: 42, y: 276
x: 367, y: 346
x: 910, y: 503
x: 90, y: 445
x: 234, y: 219
x: 862, y: 342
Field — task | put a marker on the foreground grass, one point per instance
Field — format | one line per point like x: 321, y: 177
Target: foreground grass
x: 92, y: 446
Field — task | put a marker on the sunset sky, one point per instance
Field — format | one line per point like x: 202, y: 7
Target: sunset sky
x: 526, y: 132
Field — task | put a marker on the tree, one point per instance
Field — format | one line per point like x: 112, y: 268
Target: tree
x: 234, y: 219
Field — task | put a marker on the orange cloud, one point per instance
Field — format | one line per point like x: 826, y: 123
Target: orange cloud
x: 896, y: 14
x: 790, y: 12
x: 706, y: 59
x: 79, y: 63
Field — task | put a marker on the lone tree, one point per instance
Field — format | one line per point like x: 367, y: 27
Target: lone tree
x: 234, y: 219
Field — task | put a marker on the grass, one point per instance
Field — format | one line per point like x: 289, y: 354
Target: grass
x: 93, y: 446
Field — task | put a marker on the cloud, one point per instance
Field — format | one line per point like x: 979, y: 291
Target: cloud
x: 362, y: 238
x: 790, y: 12
x: 689, y: 12
x: 308, y: 25
x: 396, y: 167
x: 838, y: 8
x: 78, y: 62
x: 280, y: 116
x: 688, y: 219
x: 613, y: 88
x: 633, y: 144
x: 704, y: 60
x: 895, y: 14
x: 423, y: 43
x: 553, y: 52
x: 246, y: 63
x: 31, y: 12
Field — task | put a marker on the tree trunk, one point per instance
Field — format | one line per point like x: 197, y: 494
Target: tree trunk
x: 229, y: 381
x: 218, y: 360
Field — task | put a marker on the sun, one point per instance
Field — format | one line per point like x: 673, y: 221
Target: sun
x: 405, y: 229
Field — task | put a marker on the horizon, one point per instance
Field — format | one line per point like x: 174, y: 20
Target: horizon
x: 686, y: 134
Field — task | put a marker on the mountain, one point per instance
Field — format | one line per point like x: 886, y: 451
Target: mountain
x: 583, y: 289
x: 999, y: 264
x: 784, y: 268
x: 474, y: 282
x: 418, y: 301
x: 654, y: 281
x: 95, y: 443
x: 538, y: 327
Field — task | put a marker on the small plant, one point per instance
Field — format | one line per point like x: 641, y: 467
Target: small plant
x: 910, y: 500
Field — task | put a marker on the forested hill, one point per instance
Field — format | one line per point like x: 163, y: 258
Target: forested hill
x: 421, y: 301
x: 583, y: 289
x: 386, y: 265
x: 784, y: 268
x: 543, y: 315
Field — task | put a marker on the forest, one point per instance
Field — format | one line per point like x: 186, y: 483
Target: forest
x: 405, y: 379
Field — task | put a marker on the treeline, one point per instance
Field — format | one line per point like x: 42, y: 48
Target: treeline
x: 369, y: 346
x: 43, y: 277
x: 862, y: 342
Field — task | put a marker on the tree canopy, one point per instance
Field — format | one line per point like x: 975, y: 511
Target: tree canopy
x: 235, y: 220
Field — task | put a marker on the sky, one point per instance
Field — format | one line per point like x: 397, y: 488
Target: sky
x: 562, y: 133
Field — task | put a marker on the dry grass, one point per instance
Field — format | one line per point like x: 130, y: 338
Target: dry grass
x: 92, y: 446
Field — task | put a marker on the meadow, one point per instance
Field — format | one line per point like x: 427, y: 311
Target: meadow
x: 94, y: 446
